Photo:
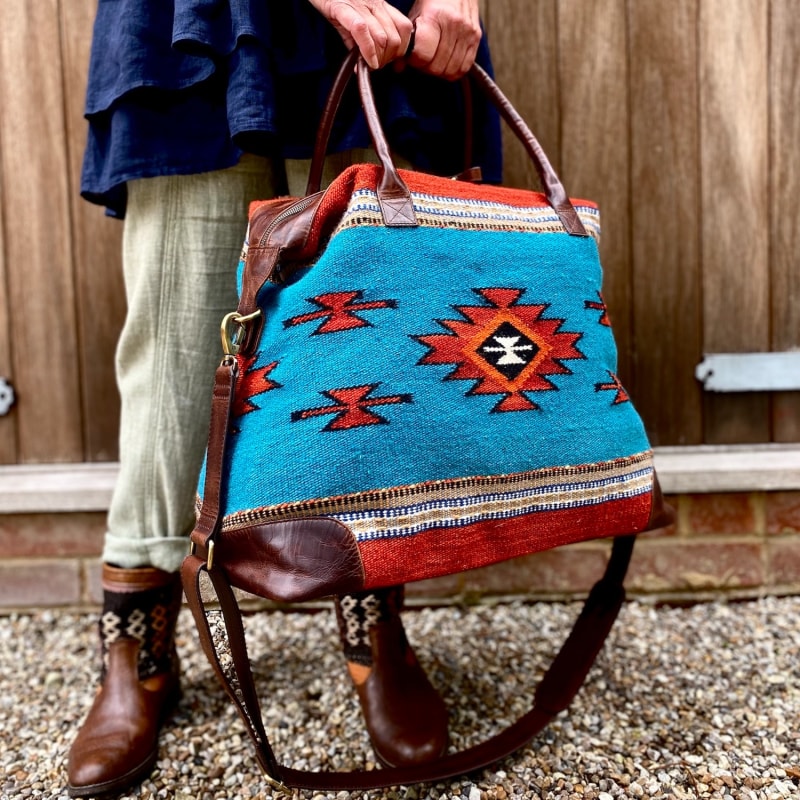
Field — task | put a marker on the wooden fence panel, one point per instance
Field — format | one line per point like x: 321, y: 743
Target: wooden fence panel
x: 37, y: 234
x: 784, y: 193
x: 734, y: 201
x: 524, y: 42
x: 97, y: 251
x: 8, y: 425
x: 680, y: 119
x: 594, y: 142
x: 665, y: 218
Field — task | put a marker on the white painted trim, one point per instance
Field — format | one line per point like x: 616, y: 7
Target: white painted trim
x: 750, y: 372
x: 47, y: 488
x: 44, y: 488
x: 728, y: 468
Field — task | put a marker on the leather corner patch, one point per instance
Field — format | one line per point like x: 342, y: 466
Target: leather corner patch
x: 292, y: 561
x: 398, y: 212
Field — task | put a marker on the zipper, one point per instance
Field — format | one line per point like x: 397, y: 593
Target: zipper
x: 296, y: 208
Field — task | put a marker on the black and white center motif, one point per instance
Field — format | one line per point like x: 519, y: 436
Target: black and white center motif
x: 507, y: 347
x: 508, y: 350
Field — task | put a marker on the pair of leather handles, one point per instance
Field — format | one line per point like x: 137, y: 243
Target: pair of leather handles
x: 392, y: 186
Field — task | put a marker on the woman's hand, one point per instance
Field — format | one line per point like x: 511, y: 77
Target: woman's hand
x: 380, y: 32
x: 445, y: 43
x: 447, y: 36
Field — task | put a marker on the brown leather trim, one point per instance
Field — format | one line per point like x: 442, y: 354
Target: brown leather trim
x: 292, y: 561
x: 141, y: 579
x: 662, y: 514
x: 289, y: 218
x: 278, y: 232
x: 221, y: 401
x: 471, y: 175
x: 261, y: 262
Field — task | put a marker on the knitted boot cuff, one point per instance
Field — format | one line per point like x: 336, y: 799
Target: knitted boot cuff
x: 149, y: 616
x: 357, y: 613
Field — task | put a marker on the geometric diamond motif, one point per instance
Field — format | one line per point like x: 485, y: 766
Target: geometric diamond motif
x: 110, y: 627
x: 137, y: 625
x: 505, y: 347
x: 159, y: 630
x: 508, y: 350
x: 354, y: 628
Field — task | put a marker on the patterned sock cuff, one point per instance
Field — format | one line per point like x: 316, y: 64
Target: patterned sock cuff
x: 149, y: 617
x: 357, y: 613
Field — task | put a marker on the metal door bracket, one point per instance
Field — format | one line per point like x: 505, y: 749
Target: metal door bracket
x: 6, y: 396
x: 750, y: 372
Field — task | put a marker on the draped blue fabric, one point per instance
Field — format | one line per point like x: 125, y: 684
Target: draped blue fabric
x: 187, y: 86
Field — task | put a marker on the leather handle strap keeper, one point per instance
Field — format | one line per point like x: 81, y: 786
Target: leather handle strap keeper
x: 554, y: 693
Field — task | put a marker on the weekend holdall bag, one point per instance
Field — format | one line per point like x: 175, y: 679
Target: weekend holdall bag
x: 419, y: 380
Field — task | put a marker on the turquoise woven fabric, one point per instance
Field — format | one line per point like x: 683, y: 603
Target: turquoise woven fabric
x: 352, y: 389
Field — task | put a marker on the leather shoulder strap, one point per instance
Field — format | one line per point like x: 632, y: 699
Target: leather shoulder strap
x: 554, y: 693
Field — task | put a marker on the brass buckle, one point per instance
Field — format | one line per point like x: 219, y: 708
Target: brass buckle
x: 232, y: 330
x: 210, y: 557
x: 278, y: 786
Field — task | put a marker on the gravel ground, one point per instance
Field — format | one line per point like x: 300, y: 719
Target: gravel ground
x: 689, y: 702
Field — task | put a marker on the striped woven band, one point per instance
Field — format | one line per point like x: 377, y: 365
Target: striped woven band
x: 467, y: 214
x: 408, y: 510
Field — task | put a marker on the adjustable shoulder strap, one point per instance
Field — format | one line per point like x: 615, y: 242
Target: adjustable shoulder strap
x: 554, y: 693
x: 232, y: 664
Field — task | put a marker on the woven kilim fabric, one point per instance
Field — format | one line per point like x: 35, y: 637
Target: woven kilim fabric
x: 447, y: 391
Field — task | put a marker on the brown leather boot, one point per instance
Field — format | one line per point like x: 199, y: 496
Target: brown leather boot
x: 405, y: 716
x: 117, y: 745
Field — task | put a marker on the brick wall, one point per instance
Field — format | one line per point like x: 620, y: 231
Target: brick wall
x: 723, y: 544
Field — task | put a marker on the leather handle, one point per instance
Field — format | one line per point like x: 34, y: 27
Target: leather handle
x: 551, y: 184
x: 332, y: 103
x: 394, y: 196
x: 334, y: 99
x: 552, y: 187
x: 554, y: 693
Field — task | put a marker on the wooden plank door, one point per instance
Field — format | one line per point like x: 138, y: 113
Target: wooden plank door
x: 733, y: 55
x: 784, y: 209
x: 99, y: 290
x: 41, y: 321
